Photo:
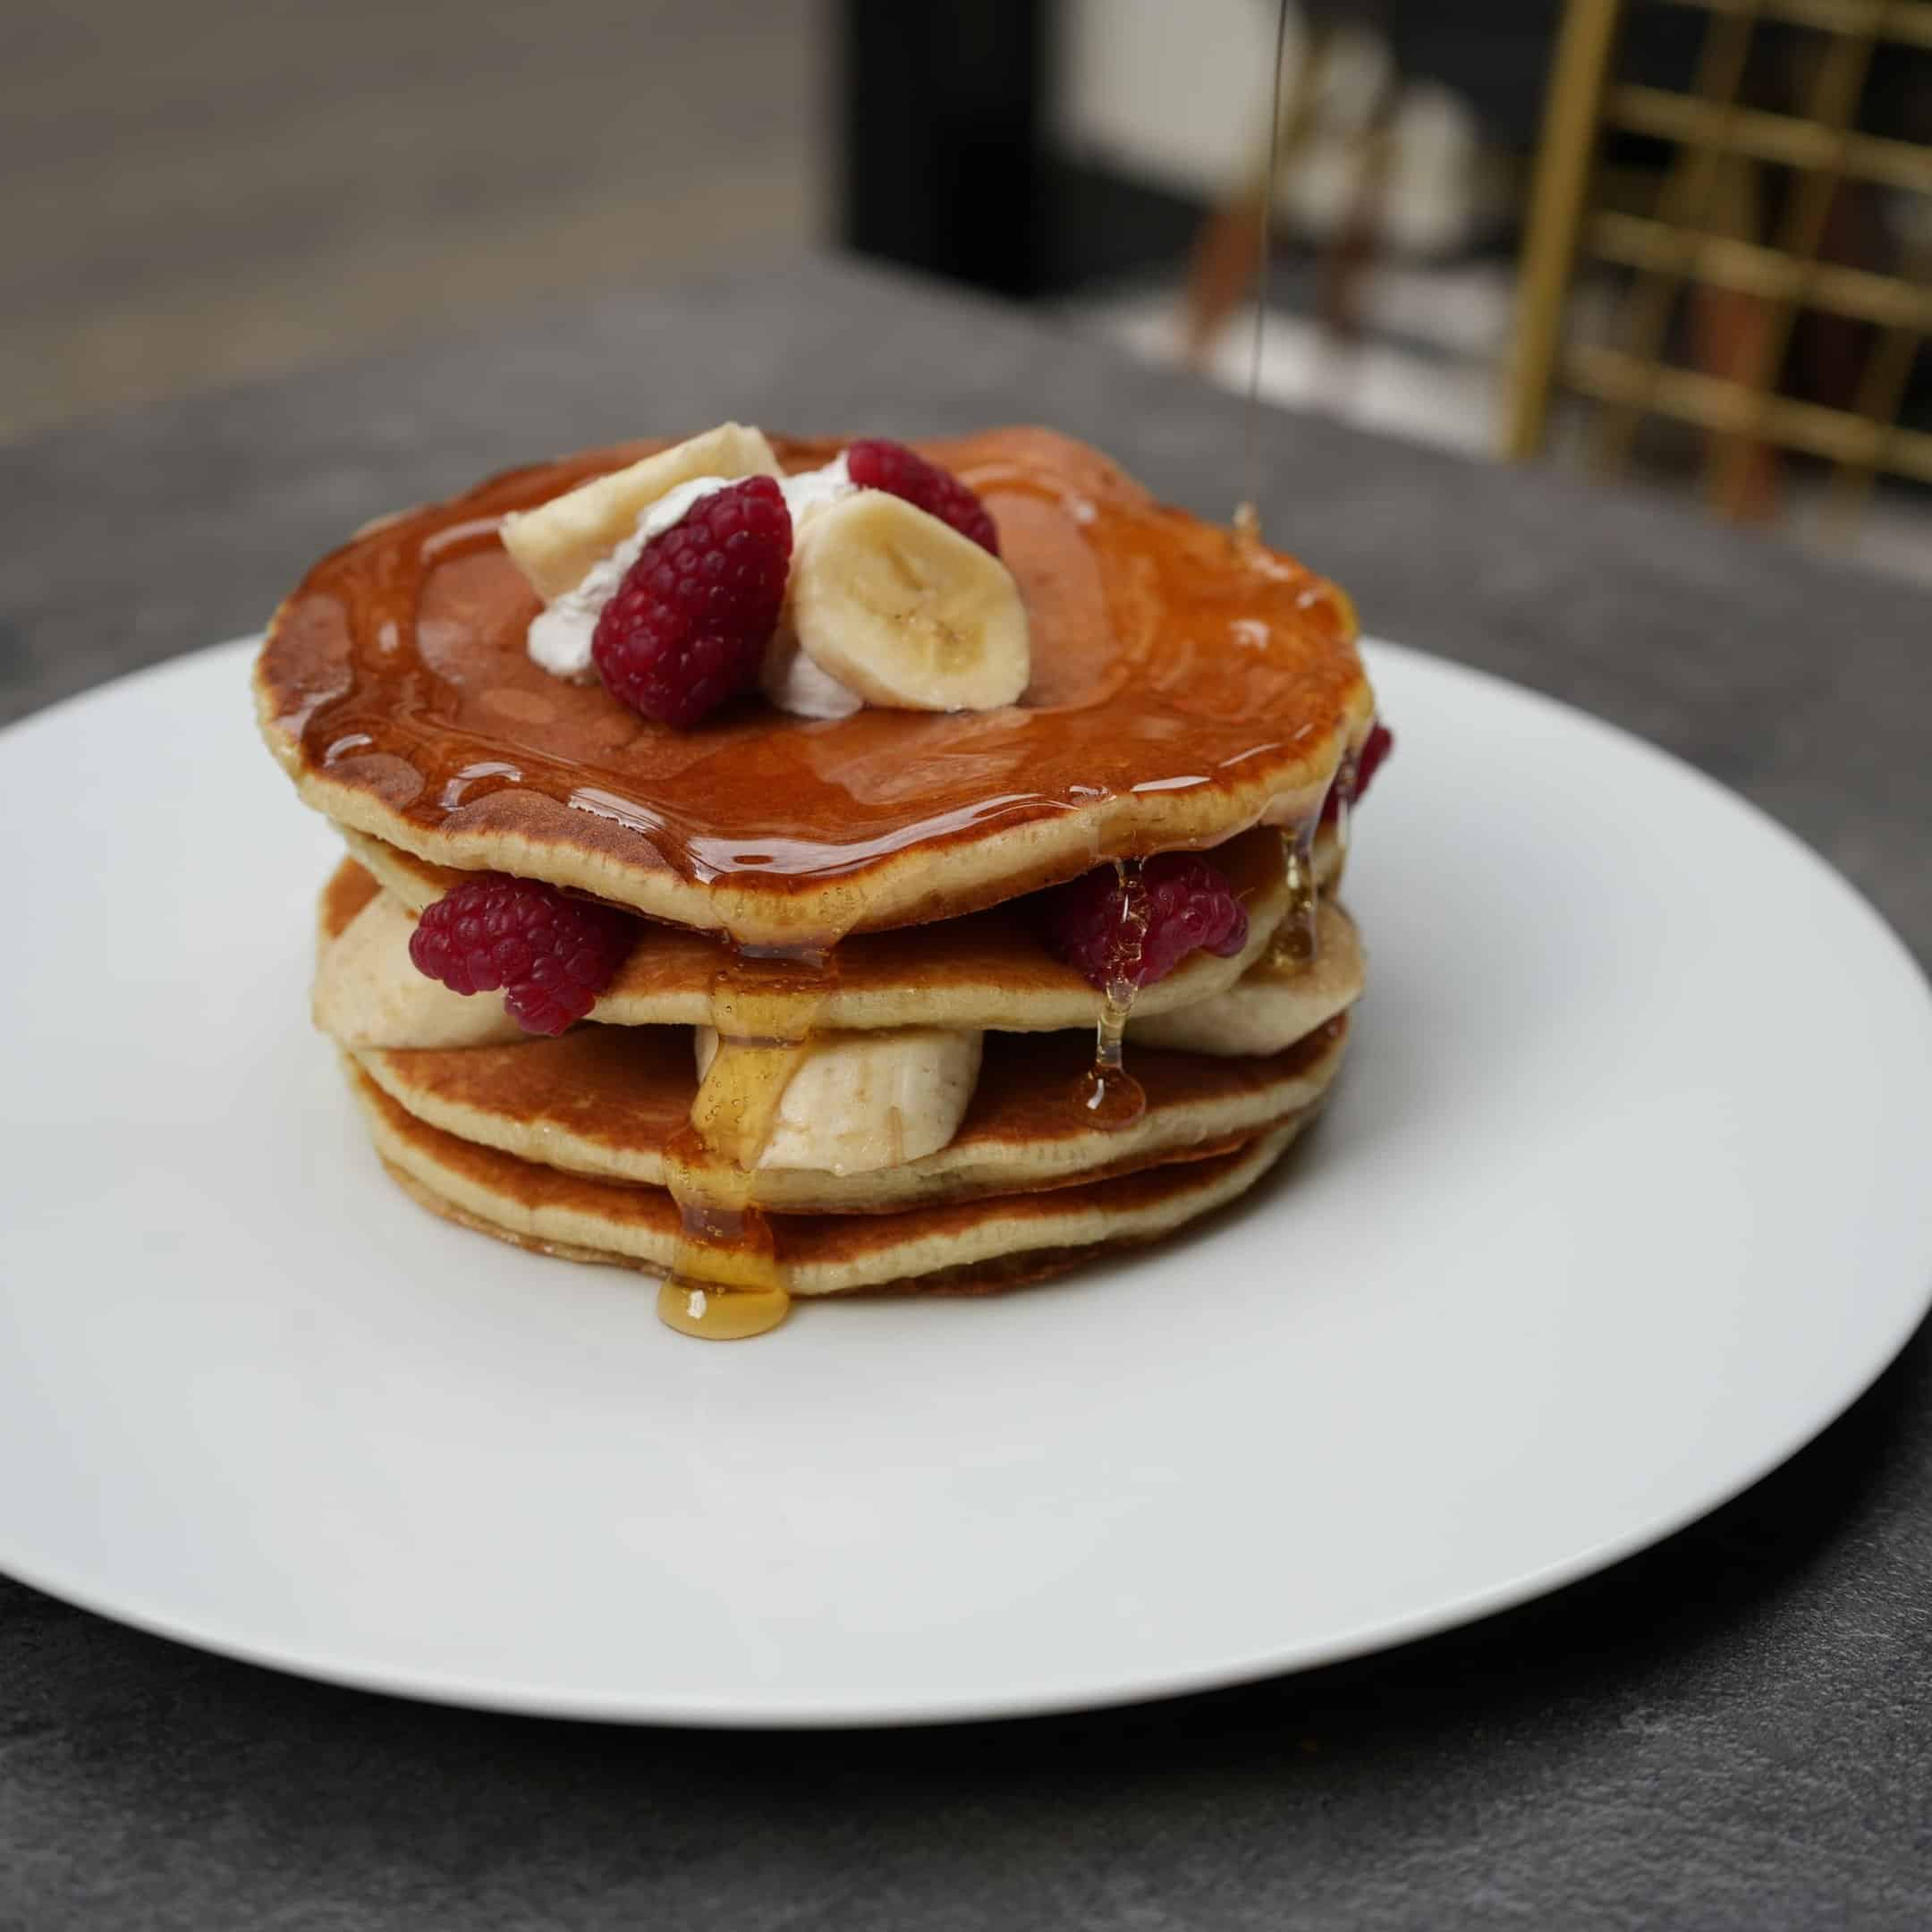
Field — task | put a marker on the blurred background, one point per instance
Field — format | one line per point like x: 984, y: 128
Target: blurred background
x: 1685, y: 244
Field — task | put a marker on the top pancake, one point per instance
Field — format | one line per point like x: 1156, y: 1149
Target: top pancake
x: 1186, y: 684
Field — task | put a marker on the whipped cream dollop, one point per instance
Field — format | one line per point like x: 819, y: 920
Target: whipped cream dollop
x: 560, y: 634
x: 811, y: 490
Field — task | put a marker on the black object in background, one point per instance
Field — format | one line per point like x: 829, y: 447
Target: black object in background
x: 948, y: 163
x: 947, y: 159
x: 943, y: 139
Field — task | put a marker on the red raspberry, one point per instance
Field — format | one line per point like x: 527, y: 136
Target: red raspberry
x: 874, y: 463
x: 1375, y: 746
x: 689, y: 623
x: 551, y: 954
x: 1140, y: 931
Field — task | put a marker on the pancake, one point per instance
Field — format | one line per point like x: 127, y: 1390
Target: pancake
x: 607, y: 1101
x: 991, y: 1242
x: 346, y: 891
x: 1187, y: 684
x: 1279, y: 998
x: 419, y: 882
x: 986, y: 970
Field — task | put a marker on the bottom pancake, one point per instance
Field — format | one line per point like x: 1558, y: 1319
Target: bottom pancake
x: 991, y: 1243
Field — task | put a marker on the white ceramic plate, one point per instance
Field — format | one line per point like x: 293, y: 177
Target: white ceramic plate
x: 1624, y: 1197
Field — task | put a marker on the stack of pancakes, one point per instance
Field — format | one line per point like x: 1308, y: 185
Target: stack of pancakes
x: 803, y: 882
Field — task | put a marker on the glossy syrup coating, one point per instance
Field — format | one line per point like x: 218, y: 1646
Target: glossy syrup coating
x: 1186, y: 682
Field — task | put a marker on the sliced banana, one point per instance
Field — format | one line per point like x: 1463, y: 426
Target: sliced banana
x: 555, y: 544
x: 859, y: 1101
x: 367, y: 993
x: 901, y: 609
x: 1274, y: 1003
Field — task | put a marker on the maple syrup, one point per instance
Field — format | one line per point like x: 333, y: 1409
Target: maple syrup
x: 1108, y: 1095
x: 1293, y: 945
x: 693, y: 1309
x: 1343, y: 793
x: 727, y: 1278
x: 1248, y: 512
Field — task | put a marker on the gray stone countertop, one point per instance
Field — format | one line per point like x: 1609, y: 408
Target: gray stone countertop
x: 1733, y: 1729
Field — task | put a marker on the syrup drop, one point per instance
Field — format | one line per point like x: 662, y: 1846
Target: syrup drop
x: 1111, y: 1097
x: 694, y: 1309
x: 1293, y: 945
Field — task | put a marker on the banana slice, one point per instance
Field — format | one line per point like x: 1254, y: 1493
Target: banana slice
x: 1274, y: 1003
x: 865, y: 1101
x: 369, y: 994
x: 555, y: 544
x: 901, y: 609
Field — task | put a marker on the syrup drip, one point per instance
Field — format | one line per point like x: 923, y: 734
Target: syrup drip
x: 1248, y: 514
x: 697, y: 1310
x: 1110, y: 1096
x: 727, y: 1280
x: 1342, y: 793
x: 1293, y: 945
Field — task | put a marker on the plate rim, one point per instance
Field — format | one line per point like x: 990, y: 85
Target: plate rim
x: 766, y: 1708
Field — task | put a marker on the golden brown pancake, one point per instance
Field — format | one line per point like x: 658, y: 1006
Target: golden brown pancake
x: 989, y: 969
x: 419, y: 882
x: 964, y: 1244
x: 607, y: 1101
x: 1186, y: 684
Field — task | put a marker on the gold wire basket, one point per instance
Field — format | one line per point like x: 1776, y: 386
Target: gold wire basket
x: 1702, y: 240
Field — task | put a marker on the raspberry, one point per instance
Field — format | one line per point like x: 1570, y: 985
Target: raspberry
x: 874, y: 464
x: 688, y: 624
x: 1139, y: 932
x: 551, y: 954
x: 1375, y: 746
x: 1379, y: 743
